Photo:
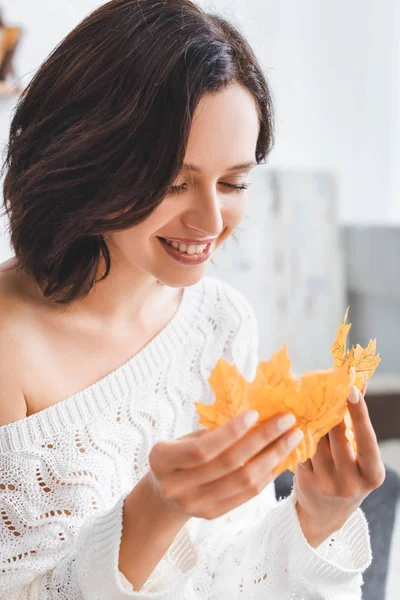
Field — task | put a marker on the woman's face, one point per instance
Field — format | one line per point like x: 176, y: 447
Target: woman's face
x: 204, y: 202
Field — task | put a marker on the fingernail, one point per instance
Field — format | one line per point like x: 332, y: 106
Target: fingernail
x: 286, y: 422
x: 354, y: 395
x: 251, y: 417
x: 294, y: 438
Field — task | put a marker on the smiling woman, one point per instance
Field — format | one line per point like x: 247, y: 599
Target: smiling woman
x: 127, y: 167
x: 100, y: 135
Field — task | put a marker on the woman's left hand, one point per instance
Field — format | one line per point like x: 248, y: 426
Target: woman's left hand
x: 330, y: 486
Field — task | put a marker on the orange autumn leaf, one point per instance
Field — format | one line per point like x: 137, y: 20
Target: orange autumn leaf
x: 277, y: 370
x: 360, y: 361
x: 231, y: 400
x: 235, y: 395
x: 339, y: 345
x: 272, y: 386
x: 364, y: 361
x: 318, y: 400
x: 319, y: 403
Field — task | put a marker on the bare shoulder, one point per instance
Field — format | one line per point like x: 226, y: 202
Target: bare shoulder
x: 12, y: 400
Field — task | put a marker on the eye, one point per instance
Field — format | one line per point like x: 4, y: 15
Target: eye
x: 178, y: 189
x: 236, y: 187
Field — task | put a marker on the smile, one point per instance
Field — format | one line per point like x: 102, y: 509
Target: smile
x: 187, y: 255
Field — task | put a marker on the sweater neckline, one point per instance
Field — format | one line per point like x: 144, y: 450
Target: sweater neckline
x: 113, y: 387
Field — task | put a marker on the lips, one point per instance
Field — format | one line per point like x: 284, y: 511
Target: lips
x: 206, y: 246
x: 188, y: 242
x: 183, y: 257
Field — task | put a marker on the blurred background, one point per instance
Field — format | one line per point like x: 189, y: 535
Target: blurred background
x: 322, y: 230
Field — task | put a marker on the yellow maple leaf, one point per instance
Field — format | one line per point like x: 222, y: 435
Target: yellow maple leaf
x: 362, y: 362
x: 318, y: 400
x: 319, y: 404
x: 235, y: 395
x: 230, y: 387
x: 339, y: 345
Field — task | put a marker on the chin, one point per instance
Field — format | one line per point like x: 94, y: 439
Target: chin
x: 179, y: 280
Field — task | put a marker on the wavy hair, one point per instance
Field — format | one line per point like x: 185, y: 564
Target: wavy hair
x: 100, y: 133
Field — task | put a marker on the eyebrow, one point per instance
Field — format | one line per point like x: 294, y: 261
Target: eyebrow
x: 241, y: 167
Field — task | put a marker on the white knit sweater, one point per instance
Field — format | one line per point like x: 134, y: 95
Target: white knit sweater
x: 65, y: 471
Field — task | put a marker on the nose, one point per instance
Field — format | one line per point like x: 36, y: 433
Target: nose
x: 206, y: 216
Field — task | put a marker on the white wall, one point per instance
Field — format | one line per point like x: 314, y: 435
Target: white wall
x: 334, y: 66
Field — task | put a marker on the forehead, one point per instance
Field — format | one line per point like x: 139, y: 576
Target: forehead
x: 225, y: 129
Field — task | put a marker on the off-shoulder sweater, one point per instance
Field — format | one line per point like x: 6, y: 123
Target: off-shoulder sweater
x: 66, y: 471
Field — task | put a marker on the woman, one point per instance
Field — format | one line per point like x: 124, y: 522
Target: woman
x: 127, y: 167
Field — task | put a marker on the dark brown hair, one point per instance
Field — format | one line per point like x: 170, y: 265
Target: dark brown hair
x: 100, y: 133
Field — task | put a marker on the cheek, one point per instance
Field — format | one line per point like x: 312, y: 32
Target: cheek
x: 232, y: 215
x: 233, y: 212
x: 165, y: 212
x: 130, y: 241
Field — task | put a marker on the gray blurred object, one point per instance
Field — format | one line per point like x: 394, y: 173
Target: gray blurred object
x: 373, y: 281
x: 380, y: 511
x: 288, y: 262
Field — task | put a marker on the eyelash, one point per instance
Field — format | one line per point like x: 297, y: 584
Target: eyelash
x: 177, y: 189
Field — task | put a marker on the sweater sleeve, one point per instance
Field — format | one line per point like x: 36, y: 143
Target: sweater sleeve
x: 270, y: 558
x: 38, y: 562
x: 255, y: 551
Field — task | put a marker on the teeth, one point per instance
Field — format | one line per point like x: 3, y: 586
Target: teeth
x: 192, y: 249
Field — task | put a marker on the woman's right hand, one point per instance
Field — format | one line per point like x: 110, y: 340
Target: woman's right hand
x: 208, y: 473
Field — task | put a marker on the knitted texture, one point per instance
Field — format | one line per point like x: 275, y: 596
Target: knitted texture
x: 65, y: 472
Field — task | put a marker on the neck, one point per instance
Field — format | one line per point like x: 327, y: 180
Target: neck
x: 124, y: 297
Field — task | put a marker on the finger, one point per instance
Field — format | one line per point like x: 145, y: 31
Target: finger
x: 264, y: 439
x: 322, y: 460
x: 342, y: 451
x: 307, y: 465
x: 221, y: 483
x: 194, y: 434
x: 185, y: 453
x: 364, y: 388
x: 368, y: 455
x: 216, y: 509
